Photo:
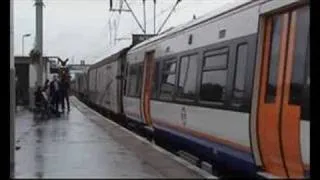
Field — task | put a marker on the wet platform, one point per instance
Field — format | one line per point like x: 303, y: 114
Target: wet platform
x: 84, y: 144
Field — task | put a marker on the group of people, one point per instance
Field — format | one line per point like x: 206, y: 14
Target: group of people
x: 53, y: 93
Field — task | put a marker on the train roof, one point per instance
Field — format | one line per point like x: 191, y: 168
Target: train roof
x: 109, y: 59
x: 205, y: 18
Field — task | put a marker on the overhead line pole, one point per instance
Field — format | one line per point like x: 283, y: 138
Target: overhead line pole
x: 110, y: 33
x: 144, y: 16
x: 115, y: 32
x: 154, y: 16
x: 121, y: 4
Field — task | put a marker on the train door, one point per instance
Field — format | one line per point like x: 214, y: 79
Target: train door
x: 283, y: 78
x: 147, y: 87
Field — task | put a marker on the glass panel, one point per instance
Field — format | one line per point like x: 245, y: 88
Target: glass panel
x: 274, y: 60
x: 300, y: 56
x: 133, y: 79
x: 182, y: 73
x: 139, y: 83
x: 169, y: 67
x: 167, y: 86
x: 219, y: 60
x: 168, y: 80
x: 135, y: 76
x: 305, y: 109
x: 213, y: 85
x: 188, y: 76
x: 155, y: 80
x: 238, y: 89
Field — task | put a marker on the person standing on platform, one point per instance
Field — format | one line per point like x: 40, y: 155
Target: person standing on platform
x: 46, y: 87
x: 65, y: 93
x: 55, y: 93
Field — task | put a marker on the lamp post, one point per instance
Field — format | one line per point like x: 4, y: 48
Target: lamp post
x: 25, y: 35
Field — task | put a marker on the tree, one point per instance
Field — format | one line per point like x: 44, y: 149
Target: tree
x: 35, y: 55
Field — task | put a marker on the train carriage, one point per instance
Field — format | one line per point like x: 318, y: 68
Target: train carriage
x: 105, y: 82
x: 231, y: 87
x: 82, y: 86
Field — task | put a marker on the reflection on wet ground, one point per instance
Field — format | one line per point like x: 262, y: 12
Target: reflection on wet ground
x: 85, y: 146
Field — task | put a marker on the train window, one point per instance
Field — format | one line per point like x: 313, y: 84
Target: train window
x: 274, y: 60
x: 216, y: 61
x: 300, y: 79
x: 214, y: 78
x: 300, y: 57
x: 155, y: 80
x: 140, y: 76
x: 96, y: 77
x: 213, y: 85
x: 134, y: 81
x: 240, y: 74
x: 168, y: 80
x: 125, y: 80
x: 305, y: 105
x: 187, y: 76
x: 169, y: 67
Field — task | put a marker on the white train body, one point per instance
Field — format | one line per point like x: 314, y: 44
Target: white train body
x: 226, y: 130
x: 226, y: 87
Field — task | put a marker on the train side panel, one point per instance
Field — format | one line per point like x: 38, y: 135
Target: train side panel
x: 221, y: 130
x: 131, y: 107
x: 92, y: 85
x: 108, y: 89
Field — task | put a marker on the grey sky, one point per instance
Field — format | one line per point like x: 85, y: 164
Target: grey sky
x: 80, y: 28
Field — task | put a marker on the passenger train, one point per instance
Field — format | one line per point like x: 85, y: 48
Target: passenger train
x: 231, y: 87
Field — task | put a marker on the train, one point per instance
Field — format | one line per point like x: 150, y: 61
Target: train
x: 231, y: 87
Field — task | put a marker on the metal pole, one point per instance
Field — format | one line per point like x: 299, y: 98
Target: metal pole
x: 115, y: 32
x: 110, y: 33
x: 110, y: 5
x: 144, y: 16
x: 39, y: 34
x: 154, y: 16
x: 12, y: 97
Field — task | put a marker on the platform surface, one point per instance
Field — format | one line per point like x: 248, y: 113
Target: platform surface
x: 84, y: 144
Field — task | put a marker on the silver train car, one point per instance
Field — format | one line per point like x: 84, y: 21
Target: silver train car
x: 231, y: 87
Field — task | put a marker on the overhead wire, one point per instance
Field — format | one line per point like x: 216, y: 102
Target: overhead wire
x: 160, y: 14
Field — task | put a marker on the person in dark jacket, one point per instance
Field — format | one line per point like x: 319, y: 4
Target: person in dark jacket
x: 65, y: 94
x: 55, y: 93
x: 46, y: 85
x: 38, y: 98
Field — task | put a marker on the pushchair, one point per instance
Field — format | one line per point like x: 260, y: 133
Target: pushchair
x: 51, y: 108
x: 42, y: 105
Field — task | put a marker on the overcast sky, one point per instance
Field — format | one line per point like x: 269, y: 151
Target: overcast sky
x: 80, y: 28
